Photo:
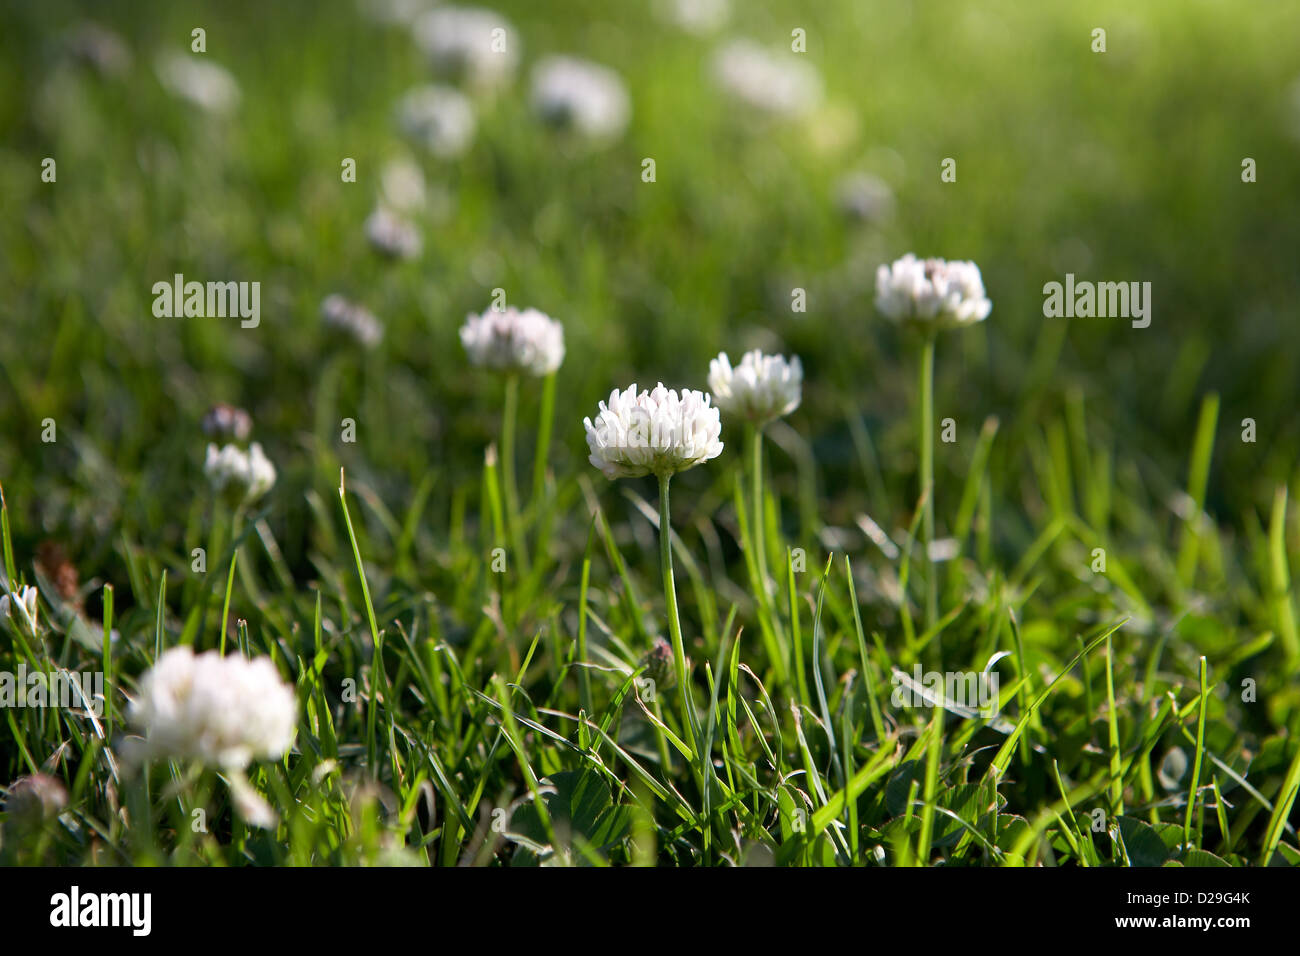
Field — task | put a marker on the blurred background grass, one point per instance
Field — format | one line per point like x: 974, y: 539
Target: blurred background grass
x: 1122, y: 166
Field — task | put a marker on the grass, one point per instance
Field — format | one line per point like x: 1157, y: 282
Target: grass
x: 1110, y: 545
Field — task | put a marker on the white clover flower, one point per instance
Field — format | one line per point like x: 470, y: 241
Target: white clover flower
x: 471, y: 44
x: 396, y: 12
x: 21, y: 607
x: 653, y: 433
x: 226, y: 421
x: 355, y: 321
x: 221, y: 711
x: 438, y: 118
x: 772, y: 84
x: 401, y: 186
x: 99, y: 48
x: 238, y: 475
x: 864, y: 197
x: 581, y: 96
x: 760, y: 389
x: 695, y: 16
x: 931, y: 292
x: 511, y: 339
x: 391, y: 235
x: 202, y: 82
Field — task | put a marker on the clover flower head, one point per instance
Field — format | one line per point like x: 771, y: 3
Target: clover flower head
x: 393, y: 12
x: 761, y: 389
x: 931, y: 293
x: 513, y: 340
x: 221, y: 711
x: 470, y: 44
x: 21, y: 607
x: 577, y: 95
x: 36, y: 797
x: 695, y: 16
x: 864, y: 197
x: 352, y: 320
x: 226, y: 422
x: 391, y: 235
x: 237, y: 475
x: 657, y: 432
x: 438, y: 118
x: 198, y: 80
x: 770, y: 84
x: 99, y: 48
x: 401, y: 186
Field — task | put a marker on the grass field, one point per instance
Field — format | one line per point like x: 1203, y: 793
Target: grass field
x: 465, y: 607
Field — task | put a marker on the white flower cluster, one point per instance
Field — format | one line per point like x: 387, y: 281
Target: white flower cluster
x: 765, y: 82
x: 397, y: 12
x: 931, y: 292
x: 401, y: 186
x: 760, y: 389
x: 470, y: 44
x: 581, y: 96
x: 695, y: 16
x: 207, y: 85
x: 514, y: 340
x: 22, y: 607
x: 353, y: 320
x: 391, y: 235
x: 240, y: 476
x: 438, y: 118
x: 222, y: 711
x: 864, y: 197
x: 653, y: 433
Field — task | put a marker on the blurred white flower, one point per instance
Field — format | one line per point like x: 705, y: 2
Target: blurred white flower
x: 438, y: 118
x: 401, y: 186
x: 226, y: 422
x: 353, y: 320
x: 760, y: 389
x: 695, y: 16
x: 36, y: 797
x: 581, y: 96
x: 864, y: 197
x: 392, y: 235
x: 470, y: 44
x: 393, y: 11
x: 653, y: 433
x: 238, y: 475
x: 99, y: 48
x: 199, y: 80
x: 511, y: 339
x: 222, y: 711
x: 21, y: 607
x: 931, y: 292
x: 769, y: 83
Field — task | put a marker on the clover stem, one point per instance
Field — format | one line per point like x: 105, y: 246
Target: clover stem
x: 927, y: 476
x: 670, y: 599
x: 509, y: 414
x: 756, y: 442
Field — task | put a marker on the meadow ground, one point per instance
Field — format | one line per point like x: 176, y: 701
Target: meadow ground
x: 466, y: 609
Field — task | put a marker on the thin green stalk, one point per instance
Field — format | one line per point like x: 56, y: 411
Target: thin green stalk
x: 1196, y: 764
x: 756, y: 464
x: 927, y: 476
x: 544, y: 426
x: 509, y: 415
x: 108, y: 660
x: 674, y: 622
x: 225, y: 607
